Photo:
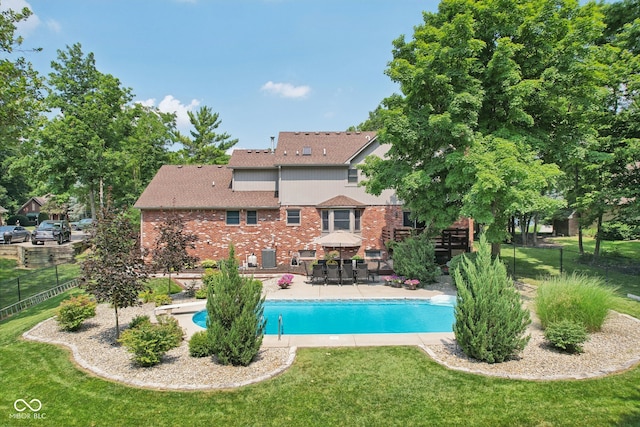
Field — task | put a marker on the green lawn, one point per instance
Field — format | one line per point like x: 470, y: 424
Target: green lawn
x: 31, y: 282
x: 619, y: 265
x: 325, y: 386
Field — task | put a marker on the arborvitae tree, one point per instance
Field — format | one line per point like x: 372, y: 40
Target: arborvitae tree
x: 490, y: 320
x: 170, y: 251
x: 114, y: 270
x: 415, y: 258
x: 235, y: 323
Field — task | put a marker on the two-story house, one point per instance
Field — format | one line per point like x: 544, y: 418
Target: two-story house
x: 276, y: 204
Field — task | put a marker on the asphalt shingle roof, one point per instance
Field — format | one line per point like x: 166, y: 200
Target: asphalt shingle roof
x: 198, y: 187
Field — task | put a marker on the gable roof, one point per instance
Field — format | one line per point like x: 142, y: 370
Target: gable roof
x: 199, y: 187
x: 305, y: 149
x: 341, y: 201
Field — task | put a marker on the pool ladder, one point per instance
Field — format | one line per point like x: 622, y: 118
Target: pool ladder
x: 279, y: 326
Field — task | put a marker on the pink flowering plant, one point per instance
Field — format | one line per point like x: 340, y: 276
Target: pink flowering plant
x: 395, y: 281
x: 412, y: 283
x: 285, y: 281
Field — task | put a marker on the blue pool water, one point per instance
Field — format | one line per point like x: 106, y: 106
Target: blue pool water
x: 355, y: 316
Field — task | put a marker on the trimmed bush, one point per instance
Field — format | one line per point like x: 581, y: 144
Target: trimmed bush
x: 209, y: 263
x: 490, y: 320
x: 139, y: 320
x: 576, y: 297
x: 566, y: 335
x: 149, y: 342
x: 414, y: 258
x: 234, y: 322
x: 162, y: 299
x: 74, y: 311
x: 200, y: 345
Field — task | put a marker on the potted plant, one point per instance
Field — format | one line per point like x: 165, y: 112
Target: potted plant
x: 285, y: 281
x: 331, y: 257
x: 412, y: 284
x: 393, y: 281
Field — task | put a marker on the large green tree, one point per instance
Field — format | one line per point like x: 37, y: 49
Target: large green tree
x: 206, y: 146
x: 490, y: 89
x: 20, y: 108
x: 77, y: 146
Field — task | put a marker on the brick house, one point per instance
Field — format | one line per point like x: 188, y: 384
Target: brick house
x: 274, y: 204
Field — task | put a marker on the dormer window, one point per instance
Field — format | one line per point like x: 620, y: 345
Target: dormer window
x: 306, y: 151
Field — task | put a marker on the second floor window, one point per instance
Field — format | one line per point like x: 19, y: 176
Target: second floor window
x: 352, y: 176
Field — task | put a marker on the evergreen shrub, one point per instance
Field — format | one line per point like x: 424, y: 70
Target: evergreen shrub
x: 490, y: 321
x: 74, y: 311
x: 149, y: 342
x: 200, y: 345
x: 234, y: 315
x: 566, y: 335
x: 414, y: 258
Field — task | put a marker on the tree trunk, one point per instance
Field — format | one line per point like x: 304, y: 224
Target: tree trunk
x: 596, y: 250
x: 117, y: 324
x: 495, y: 250
x: 535, y: 230
x: 580, y: 243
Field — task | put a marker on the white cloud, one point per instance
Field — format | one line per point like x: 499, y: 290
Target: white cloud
x: 54, y: 25
x: 23, y: 27
x: 285, y: 90
x: 169, y: 104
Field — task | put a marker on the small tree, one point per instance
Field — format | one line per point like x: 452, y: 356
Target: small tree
x: 235, y: 323
x: 170, y: 251
x: 490, y: 320
x: 114, y: 271
x: 414, y: 258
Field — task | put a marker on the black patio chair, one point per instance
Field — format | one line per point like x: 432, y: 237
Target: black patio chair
x: 318, y: 274
x: 362, y: 273
x: 347, y: 273
x: 333, y: 273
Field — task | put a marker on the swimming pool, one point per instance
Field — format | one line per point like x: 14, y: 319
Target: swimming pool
x: 372, y: 316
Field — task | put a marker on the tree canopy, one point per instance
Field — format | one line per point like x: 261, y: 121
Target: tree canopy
x: 498, y: 98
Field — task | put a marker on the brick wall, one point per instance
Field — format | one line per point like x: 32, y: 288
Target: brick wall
x: 271, y: 232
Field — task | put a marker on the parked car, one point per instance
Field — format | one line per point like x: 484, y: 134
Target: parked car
x: 74, y: 225
x: 85, y: 223
x: 52, y: 230
x: 13, y: 233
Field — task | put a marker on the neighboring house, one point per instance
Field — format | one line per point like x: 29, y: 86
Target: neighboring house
x: 275, y: 204
x: 31, y: 209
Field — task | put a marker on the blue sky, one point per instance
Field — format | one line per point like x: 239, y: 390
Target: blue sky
x: 265, y: 66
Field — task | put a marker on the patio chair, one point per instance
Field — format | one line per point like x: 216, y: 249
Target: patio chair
x: 347, y: 273
x: 307, y: 272
x: 317, y: 274
x: 333, y: 274
x: 362, y: 273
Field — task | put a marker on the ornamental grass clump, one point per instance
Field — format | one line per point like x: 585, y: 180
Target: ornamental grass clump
x: 490, y: 321
x: 577, y: 297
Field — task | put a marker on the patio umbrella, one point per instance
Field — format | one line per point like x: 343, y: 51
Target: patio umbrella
x: 339, y: 239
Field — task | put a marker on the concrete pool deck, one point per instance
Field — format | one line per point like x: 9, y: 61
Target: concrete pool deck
x: 300, y: 289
